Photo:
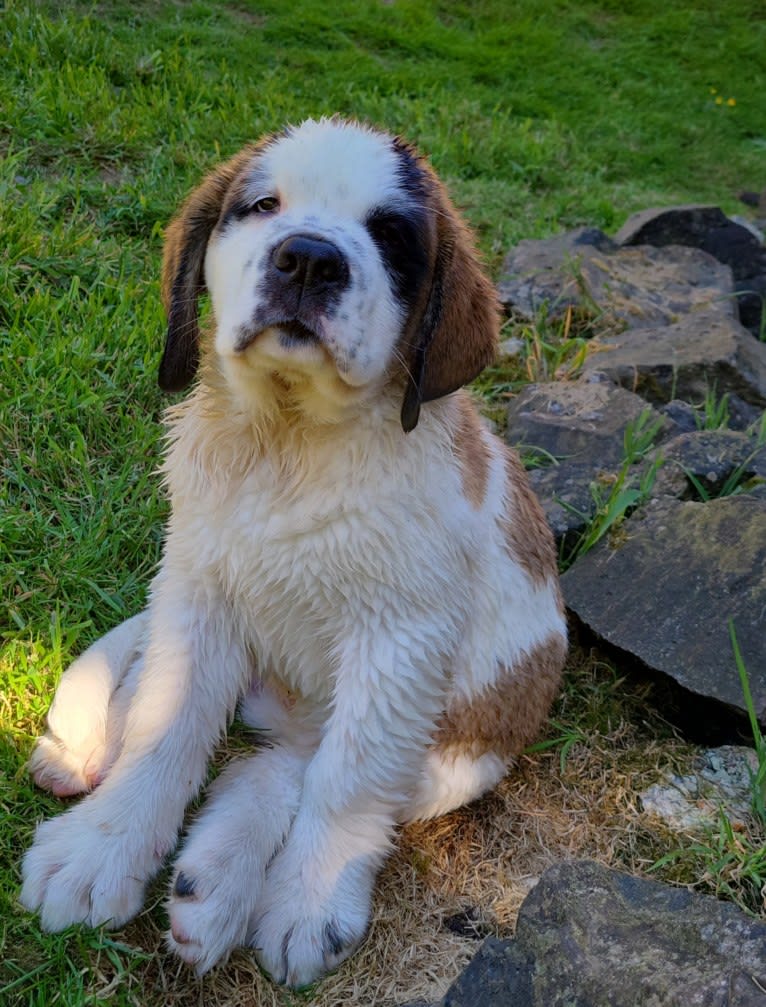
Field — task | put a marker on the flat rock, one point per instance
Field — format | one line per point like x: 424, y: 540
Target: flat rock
x: 685, y: 360
x: 719, y: 779
x: 708, y: 228
x: 587, y: 271
x: 588, y: 936
x: 566, y: 494
x: 576, y: 421
x: 697, y: 226
x: 499, y: 974
x: 683, y: 569
x: 709, y: 459
x: 738, y: 414
x: 578, y: 430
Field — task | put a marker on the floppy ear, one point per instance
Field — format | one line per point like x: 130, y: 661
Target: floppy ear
x: 458, y: 332
x: 183, y: 277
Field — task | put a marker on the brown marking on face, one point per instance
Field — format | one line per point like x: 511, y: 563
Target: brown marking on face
x: 472, y: 452
x: 506, y: 716
x: 183, y: 260
x: 528, y: 538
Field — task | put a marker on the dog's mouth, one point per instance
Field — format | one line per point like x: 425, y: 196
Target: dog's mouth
x: 291, y: 333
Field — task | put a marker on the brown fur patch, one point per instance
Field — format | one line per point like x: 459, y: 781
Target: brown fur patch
x: 507, y: 716
x: 183, y: 260
x: 472, y: 452
x: 463, y: 302
x: 453, y: 331
x: 528, y: 538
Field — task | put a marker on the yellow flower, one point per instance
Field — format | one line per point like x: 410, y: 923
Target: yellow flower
x: 719, y: 100
x: 731, y: 102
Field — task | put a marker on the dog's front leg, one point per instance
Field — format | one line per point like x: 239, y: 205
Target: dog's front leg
x: 316, y: 902
x: 92, y: 863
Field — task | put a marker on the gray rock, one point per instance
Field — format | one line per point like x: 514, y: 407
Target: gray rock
x: 719, y: 779
x: 742, y: 415
x: 591, y: 937
x: 711, y: 457
x: 665, y: 591
x: 585, y: 270
x: 600, y: 937
x: 581, y: 426
x: 681, y: 414
x: 582, y: 422
x: 696, y: 226
x: 566, y: 494
x: 708, y: 228
x: 686, y: 360
x: 499, y: 974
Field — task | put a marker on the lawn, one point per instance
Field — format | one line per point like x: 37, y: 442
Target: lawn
x: 540, y: 116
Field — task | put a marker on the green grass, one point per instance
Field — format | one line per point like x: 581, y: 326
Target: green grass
x: 540, y: 115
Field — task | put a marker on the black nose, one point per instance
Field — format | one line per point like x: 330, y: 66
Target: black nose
x: 312, y: 263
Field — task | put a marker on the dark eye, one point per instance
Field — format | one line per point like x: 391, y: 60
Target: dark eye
x: 266, y: 204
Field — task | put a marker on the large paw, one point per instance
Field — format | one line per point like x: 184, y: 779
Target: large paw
x: 308, y: 924
x: 211, y: 904
x: 80, y: 870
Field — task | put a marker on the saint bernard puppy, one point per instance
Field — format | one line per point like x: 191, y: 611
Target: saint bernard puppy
x: 351, y: 557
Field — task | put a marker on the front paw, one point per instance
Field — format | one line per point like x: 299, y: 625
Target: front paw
x: 80, y: 869
x: 307, y: 925
x: 210, y: 908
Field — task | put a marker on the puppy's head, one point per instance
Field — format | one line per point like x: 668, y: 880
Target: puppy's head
x: 332, y: 255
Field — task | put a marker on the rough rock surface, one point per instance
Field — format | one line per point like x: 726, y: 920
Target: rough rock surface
x: 637, y: 286
x: 702, y: 351
x: 709, y: 458
x: 666, y: 587
x: 579, y: 421
x: 708, y: 228
x: 667, y: 578
x: 579, y: 430
x: 719, y: 779
x: 591, y: 937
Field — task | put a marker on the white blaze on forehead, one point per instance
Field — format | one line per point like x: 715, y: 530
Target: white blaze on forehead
x: 329, y: 164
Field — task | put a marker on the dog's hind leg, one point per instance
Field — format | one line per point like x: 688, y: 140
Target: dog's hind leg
x: 88, y: 713
x: 450, y: 780
x: 477, y: 739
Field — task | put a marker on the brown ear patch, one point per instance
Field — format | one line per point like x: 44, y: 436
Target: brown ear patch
x: 471, y: 451
x: 183, y: 263
x: 455, y: 336
x: 508, y: 715
x: 528, y: 538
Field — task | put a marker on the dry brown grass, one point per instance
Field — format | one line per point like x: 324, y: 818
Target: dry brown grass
x: 482, y: 860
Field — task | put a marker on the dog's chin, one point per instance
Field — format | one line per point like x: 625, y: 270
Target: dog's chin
x: 295, y: 350
x: 291, y: 345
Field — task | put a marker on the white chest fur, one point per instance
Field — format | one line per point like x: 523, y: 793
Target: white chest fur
x: 359, y: 527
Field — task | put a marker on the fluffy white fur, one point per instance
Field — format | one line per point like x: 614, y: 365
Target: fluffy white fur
x: 323, y: 569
